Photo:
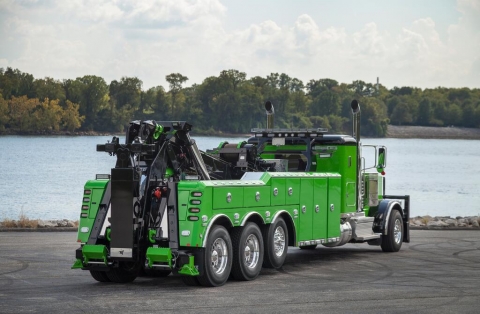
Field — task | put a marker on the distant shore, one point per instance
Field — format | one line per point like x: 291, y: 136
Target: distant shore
x: 394, y: 131
x: 427, y: 132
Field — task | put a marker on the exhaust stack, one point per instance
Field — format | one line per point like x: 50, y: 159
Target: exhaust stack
x: 356, y: 120
x: 270, y: 114
x: 356, y: 134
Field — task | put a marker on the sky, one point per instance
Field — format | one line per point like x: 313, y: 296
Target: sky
x: 420, y: 43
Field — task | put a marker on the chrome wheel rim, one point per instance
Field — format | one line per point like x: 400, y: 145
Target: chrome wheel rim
x: 397, y: 231
x: 279, y: 241
x: 252, y: 251
x: 219, y: 256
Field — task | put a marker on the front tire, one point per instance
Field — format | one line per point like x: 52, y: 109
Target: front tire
x: 248, y: 252
x: 218, y: 258
x: 392, y: 242
x: 275, y: 238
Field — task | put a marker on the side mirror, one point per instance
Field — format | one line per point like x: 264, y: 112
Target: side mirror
x: 382, y: 160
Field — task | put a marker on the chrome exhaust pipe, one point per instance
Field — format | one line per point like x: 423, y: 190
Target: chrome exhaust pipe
x: 356, y: 134
x: 356, y: 120
x: 270, y: 114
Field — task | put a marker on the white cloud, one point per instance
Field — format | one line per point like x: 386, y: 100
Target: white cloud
x: 150, y: 39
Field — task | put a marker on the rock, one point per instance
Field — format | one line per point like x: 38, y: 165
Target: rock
x: 472, y: 220
x: 451, y: 222
x: 418, y: 222
x: 70, y: 223
x: 46, y: 224
x: 436, y: 224
x: 475, y: 224
x: 62, y: 223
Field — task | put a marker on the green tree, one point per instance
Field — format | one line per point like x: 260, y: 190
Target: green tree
x: 47, y: 116
x: 4, y: 118
x: 459, y: 94
x: 49, y: 88
x: 73, y: 90
x: 374, y: 120
x: 454, y: 115
x: 71, y: 119
x: 232, y: 78
x: 425, y: 112
x: 327, y: 103
x: 175, y: 80
x: 127, y: 92
x: 16, y: 83
x: 392, y: 102
x: 401, y: 114
x: 93, y: 98
x: 360, y: 89
x: 20, y: 110
x: 468, y: 115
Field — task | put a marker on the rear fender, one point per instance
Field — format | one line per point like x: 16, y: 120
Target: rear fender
x: 382, y: 216
x: 220, y: 219
x: 290, y: 222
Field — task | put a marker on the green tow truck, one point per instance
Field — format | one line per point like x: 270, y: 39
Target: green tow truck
x: 167, y: 207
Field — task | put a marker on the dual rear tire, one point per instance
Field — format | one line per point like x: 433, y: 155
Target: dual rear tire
x: 248, y: 252
x: 125, y: 272
x: 242, y: 252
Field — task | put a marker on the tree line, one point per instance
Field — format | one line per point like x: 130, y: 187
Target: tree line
x: 227, y: 103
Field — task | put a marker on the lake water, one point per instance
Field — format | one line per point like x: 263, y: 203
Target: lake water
x: 43, y: 177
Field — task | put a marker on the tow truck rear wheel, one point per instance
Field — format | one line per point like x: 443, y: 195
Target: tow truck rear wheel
x: 218, y: 258
x: 275, y: 237
x: 392, y: 241
x: 248, y: 252
x: 125, y: 272
x: 100, y: 276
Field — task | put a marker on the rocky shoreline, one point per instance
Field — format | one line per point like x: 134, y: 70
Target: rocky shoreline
x: 430, y: 132
x: 416, y: 223
x: 445, y: 222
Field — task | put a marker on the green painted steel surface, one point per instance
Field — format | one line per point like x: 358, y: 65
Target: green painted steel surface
x: 306, y: 209
x: 315, y: 191
x: 320, y: 214
x: 334, y: 206
x: 184, y: 204
x: 97, y: 188
x: 278, y: 191
x: 94, y: 252
x: 78, y: 264
x: 228, y: 197
x: 293, y: 191
x: 159, y: 255
x: 258, y: 196
x: 189, y: 269
x: 343, y: 160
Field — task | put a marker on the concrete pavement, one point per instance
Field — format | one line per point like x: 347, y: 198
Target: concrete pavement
x: 438, y: 272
